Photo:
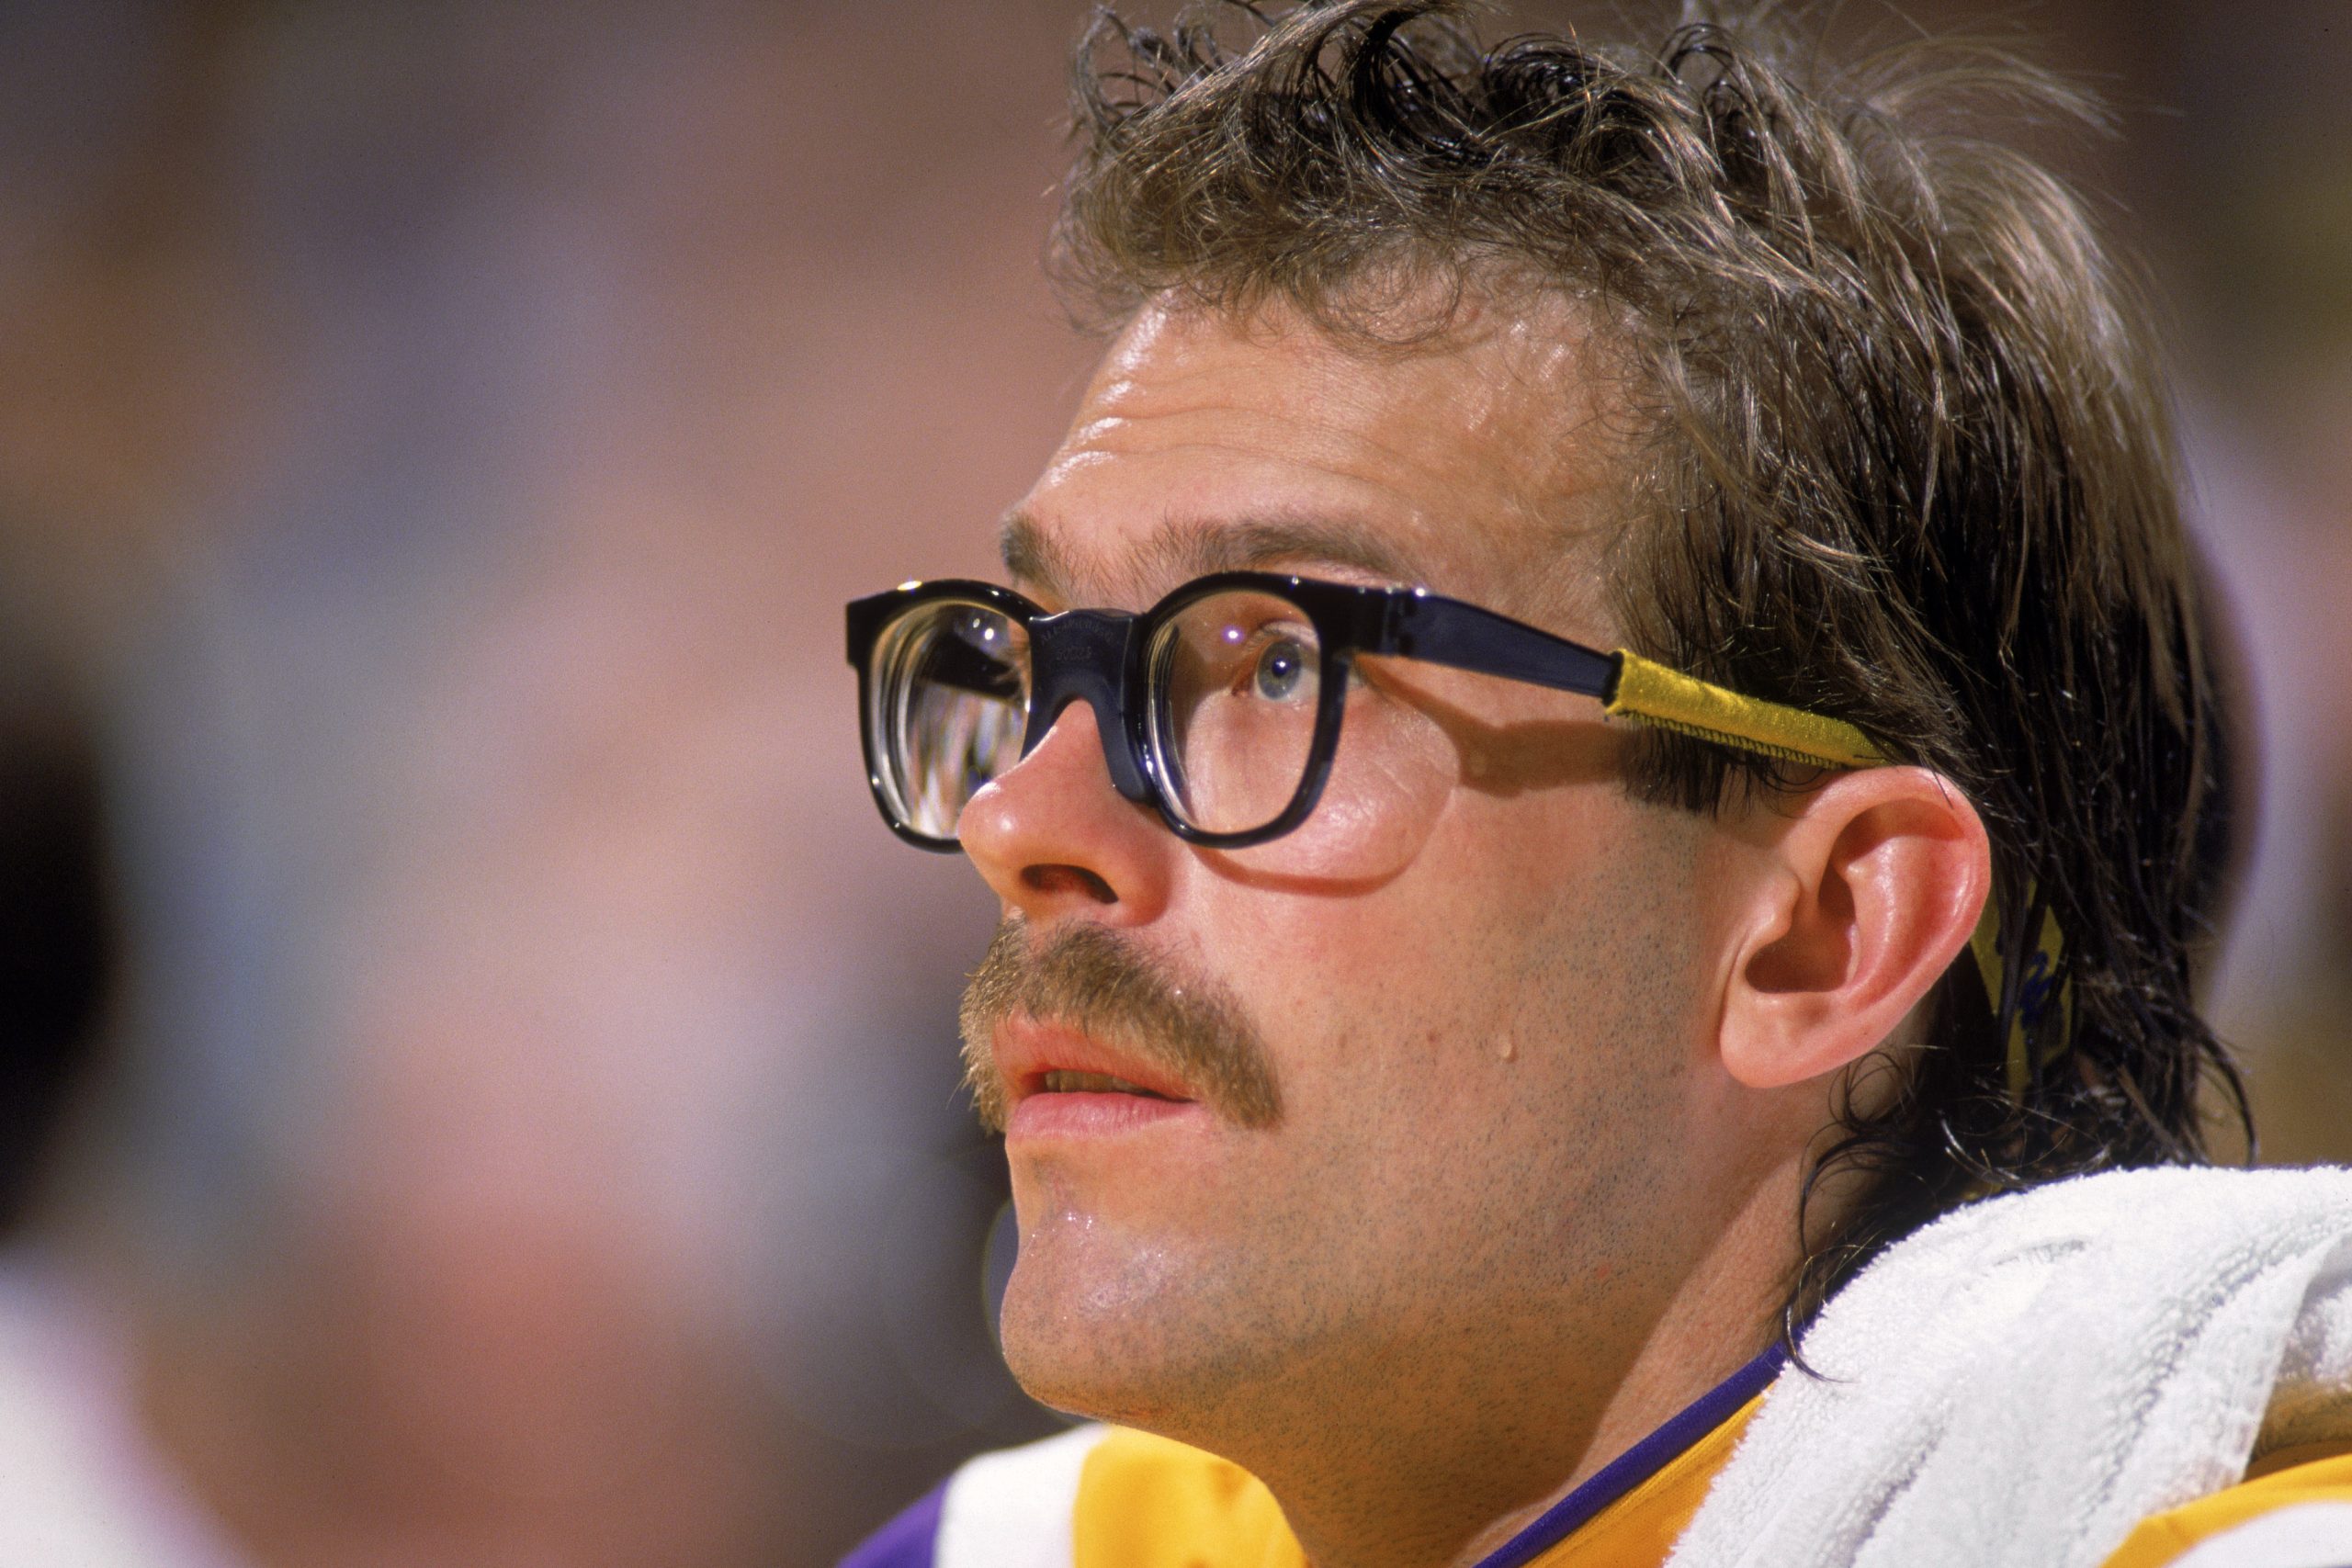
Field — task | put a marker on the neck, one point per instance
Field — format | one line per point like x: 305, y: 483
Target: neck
x: 1457, y: 1447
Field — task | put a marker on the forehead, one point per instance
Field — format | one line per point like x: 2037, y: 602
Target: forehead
x: 1476, y: 462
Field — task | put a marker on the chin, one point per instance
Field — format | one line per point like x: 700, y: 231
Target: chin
x: 1112, y: 1338
x: 1083, y: 1387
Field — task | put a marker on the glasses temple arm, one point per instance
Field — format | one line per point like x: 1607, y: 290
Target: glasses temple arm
x: 1463, y: 637
x: 1447, y: 631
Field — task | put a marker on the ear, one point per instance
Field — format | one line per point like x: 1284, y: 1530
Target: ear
x: 1870, y: 886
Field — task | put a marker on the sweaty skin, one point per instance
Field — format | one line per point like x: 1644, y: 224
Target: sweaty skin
x: 1514, y: 1210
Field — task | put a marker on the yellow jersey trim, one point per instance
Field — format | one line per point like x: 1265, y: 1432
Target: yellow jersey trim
x: 2316, y: 1473
x: 1148, y: 1502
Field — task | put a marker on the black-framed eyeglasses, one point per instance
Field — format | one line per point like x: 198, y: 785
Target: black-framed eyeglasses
x: 1221, y: 704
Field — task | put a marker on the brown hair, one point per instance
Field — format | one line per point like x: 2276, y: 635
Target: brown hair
x: 1903, y: 458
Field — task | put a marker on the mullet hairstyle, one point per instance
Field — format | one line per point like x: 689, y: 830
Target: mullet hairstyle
x: 1899, y: 455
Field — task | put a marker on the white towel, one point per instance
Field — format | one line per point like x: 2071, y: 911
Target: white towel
x: 2022, y: 1383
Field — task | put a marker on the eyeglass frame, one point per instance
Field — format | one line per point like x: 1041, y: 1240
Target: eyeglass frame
x: 1101, y: 657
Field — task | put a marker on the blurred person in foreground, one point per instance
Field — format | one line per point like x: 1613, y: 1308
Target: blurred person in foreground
x: 81, y: 1482
x: 1474, y: 1095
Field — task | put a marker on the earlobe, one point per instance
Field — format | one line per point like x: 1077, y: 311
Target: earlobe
x: 1858, y: 899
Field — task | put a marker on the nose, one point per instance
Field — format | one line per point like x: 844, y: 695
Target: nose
x: 1054, y: 835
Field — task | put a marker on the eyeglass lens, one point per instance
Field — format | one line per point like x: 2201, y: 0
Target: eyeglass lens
x: 950, y: 701
x: 1235, y: 678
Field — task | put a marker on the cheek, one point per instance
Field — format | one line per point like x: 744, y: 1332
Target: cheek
x: 1386, y: 794
x: 1530, y: 935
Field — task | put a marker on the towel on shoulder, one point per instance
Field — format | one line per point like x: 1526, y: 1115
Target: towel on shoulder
x: 2024, y: 1380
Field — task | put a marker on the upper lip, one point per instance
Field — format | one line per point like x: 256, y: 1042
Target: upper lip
x: 1028, y: 1048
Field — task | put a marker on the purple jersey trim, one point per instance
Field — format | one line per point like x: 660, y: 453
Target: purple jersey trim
x: 911, y: 1539
x: 907, y: 1541
x: 1638, y: 1463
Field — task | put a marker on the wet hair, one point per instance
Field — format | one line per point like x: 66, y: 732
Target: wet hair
x: 1897, y: 451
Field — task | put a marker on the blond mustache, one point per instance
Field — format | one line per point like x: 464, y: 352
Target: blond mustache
x: 1086, y: 978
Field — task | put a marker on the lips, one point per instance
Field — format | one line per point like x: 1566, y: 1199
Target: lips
x: 1064, y: 1081
x: 1065, y: 1084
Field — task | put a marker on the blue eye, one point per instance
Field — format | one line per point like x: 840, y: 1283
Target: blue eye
x: 1282, y: 668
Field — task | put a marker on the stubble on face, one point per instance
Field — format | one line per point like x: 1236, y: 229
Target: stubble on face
x: 1088, y: 978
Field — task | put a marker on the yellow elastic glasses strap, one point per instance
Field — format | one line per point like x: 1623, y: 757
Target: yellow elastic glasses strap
x: 1649, y: 693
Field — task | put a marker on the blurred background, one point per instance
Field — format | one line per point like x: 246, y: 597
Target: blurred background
x: 506, y: 1069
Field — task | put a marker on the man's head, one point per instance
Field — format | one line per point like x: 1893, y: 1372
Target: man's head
x: 1662, y: 351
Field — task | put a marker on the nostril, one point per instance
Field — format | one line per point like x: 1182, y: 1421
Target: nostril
x: 1053, y: 879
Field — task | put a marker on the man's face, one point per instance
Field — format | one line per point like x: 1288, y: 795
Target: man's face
x: 1469, y: 992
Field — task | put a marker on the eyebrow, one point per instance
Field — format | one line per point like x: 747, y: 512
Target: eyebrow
x: 1029, y: 556
x: 1189, y: 548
